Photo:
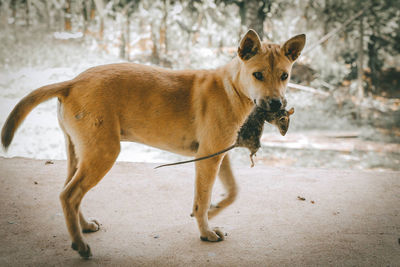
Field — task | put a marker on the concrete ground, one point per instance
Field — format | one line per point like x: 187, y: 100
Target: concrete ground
x: 349, y: 218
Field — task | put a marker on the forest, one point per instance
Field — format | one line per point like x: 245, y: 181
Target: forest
x: 345, y: 87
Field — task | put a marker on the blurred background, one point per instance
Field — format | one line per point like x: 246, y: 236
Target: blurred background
x: 345, y: 87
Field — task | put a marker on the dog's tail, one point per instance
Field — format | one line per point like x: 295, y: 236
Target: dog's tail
x: 29, y: 102
x: 193, y: 160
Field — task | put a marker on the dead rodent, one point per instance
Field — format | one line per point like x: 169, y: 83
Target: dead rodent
x: 250, y: 132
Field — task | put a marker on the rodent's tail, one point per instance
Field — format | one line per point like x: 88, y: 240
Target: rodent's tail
x: 22, y: 109
x: 193, y: 160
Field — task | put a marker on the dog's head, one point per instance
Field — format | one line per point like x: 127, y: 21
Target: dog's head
x: 265, y: 68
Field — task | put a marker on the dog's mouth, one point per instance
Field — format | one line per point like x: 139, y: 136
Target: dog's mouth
x: 271, y: 104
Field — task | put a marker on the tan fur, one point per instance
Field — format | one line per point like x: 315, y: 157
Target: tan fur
x: 191, y: 112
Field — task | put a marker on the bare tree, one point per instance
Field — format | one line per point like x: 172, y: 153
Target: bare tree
x: 67, y: 16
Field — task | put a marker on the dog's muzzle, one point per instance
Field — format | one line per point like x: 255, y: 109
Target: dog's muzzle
x: 273, y: 104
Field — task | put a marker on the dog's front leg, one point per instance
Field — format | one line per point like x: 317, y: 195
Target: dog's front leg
x: 206, y: 172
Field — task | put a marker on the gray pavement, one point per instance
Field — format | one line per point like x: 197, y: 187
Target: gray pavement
x: 348, y: 218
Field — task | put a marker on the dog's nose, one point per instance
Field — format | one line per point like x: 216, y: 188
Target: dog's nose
x: 275, y: 104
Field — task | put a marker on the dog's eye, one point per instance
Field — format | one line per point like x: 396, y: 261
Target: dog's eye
x: 284, y: 76
x: 258, y: 76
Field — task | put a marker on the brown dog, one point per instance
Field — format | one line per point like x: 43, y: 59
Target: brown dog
x: 190, y: 112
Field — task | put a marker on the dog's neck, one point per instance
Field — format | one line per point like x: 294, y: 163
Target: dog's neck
x: 236, y: 93
x: 232, y: 71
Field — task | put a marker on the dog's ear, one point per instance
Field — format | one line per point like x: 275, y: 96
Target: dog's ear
x: 249, y: 45
x: 291, y: 111
x: 292, y: 48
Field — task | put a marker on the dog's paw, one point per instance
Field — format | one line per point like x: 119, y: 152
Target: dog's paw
x: 84, y: 251
x: 215, y: 235
x: 91, y: 226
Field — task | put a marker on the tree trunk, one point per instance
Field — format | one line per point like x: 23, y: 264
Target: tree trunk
x: 327, y: 21
x: 86, y: 7
x: 92, y: 10
x: 122, y: 45
x: 67, y: 16
x: 164, y: 28
x: 252, y: 15
x: 48, y: 16
x: 256, y: 16
x: 14, y: 10
x: 374, y: 63
x: 242, y: 13
x: 128, y: 36
x: 100, y: 10
x: 27, y: 6
x: 155, y: 56
x: 360, y: 62
x: 101, y: 32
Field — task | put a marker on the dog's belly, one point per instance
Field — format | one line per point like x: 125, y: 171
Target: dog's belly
x: 159, y: 113
x: 180, y: 142
x: 160, y: 126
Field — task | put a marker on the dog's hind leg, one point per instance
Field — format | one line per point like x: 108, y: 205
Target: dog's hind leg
x: 228, y: 180
x: 94, y: 161
x: 87, y: 226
